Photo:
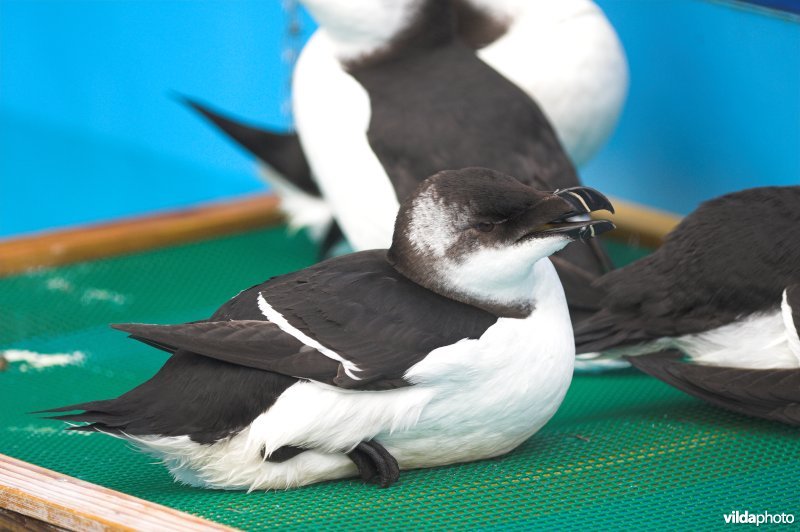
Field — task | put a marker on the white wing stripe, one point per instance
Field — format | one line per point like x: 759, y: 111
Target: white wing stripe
x: 277, y: 318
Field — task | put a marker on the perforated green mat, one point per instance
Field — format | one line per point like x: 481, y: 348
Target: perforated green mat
x: 624, y: 451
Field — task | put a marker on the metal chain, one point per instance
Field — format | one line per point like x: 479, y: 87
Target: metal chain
x: 292, y: 44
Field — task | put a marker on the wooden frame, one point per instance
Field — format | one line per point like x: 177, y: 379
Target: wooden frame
x: 636, y: 224
x: 50, y: 500
x: 130, y: 235
x: 640, y: 225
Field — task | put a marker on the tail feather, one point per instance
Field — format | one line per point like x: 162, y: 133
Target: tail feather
x: 281, y: 151
x: 772, y: 394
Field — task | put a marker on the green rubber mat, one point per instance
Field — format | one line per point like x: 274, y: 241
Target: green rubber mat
x: 624, y: 452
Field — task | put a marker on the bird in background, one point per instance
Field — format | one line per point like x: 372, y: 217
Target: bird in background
x: 453, y: 345
x: 386, y: 92
x: 715, y: 311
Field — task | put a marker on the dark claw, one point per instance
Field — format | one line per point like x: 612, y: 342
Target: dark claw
x: 375, y: 464
x: 366, y: 469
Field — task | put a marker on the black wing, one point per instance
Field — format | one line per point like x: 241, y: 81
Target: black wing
x: 732, y: 257
x: 281, y: 151
x: 357, y: 306
x: 766, y: 393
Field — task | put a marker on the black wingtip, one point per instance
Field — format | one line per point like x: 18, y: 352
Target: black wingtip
x: 281, y: 151
x: 772, y: 394
x: 179, y: 97
x: 129, y: 328
x: 204, y: 110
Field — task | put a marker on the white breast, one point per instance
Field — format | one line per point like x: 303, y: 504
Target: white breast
x: 491, y: 394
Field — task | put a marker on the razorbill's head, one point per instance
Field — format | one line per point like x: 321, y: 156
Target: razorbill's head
x: 475, y: 235
x: 361, y: 31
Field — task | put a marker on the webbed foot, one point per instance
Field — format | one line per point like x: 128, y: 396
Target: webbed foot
x: 375, y: 464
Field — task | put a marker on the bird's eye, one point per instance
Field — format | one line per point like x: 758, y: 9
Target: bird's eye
x: 484, y: 227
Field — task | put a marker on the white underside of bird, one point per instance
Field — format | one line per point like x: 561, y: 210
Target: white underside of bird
x: 471, y: 400
x: 760, y: 341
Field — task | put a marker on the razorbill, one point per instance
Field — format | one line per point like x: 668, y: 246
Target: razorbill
x: 563, y: 54
x: 724, y: 290
x: 453, y: 345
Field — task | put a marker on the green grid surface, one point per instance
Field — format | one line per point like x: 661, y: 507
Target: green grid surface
x: 624, y: 451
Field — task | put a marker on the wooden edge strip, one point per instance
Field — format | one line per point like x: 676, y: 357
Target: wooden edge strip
x: 635, y: 224
x: 137, y: 234
x: 639, y: 225
x: 74, y: 504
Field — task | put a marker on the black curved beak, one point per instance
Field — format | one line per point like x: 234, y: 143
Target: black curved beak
x: 585, y: 200
x: 579, y: 230
x: 572, y: 220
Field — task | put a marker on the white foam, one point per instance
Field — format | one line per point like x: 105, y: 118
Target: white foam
x: 34, y: 360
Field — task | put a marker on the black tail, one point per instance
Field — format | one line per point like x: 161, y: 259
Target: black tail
x: 101, y: 416
x: 281, y: 151
x: 772, y: 394
x: 192, y: 395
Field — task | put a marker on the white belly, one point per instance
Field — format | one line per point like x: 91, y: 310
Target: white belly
x: 757, y: 342
x: 760, y: 341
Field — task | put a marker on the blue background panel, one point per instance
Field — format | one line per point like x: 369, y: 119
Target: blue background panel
x: 88, y: 131
x: 713, y: 105
x: 88, y: 128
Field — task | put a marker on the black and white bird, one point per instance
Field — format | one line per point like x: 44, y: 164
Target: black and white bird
x: 453, y: 345
x: 393, y: 95
x: 724, y: 290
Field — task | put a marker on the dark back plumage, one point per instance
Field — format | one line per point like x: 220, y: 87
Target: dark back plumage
x: 772, y: 394
x: 731, y: 257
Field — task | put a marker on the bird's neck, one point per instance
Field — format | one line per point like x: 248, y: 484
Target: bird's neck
x: 504, y: 289
x: 539, y: 289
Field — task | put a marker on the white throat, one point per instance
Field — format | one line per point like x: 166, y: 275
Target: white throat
x: 358, y: 28
x: 511, y: 277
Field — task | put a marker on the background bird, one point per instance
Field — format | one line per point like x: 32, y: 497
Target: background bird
x: 377, y: 109
x: 724, y: 290
x: 453, y: 345
x: 565, y: 55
